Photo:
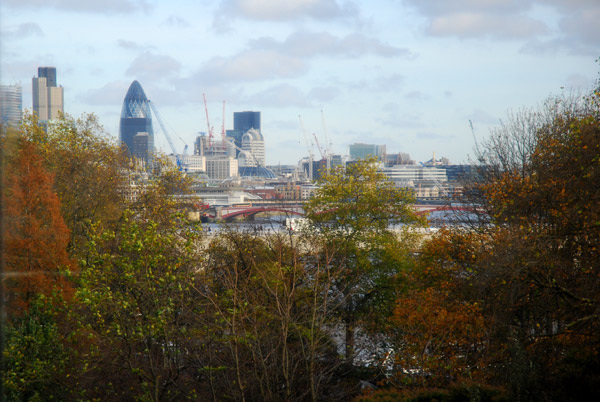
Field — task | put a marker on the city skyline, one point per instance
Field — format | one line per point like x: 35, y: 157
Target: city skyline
x: 407, y: 74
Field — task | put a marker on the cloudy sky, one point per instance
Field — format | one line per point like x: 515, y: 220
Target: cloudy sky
x: 406, y: 73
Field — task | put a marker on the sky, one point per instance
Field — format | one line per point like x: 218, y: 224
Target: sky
x: 409, y: 74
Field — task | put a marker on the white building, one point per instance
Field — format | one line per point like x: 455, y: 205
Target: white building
x: 253, y: 149
x: 414, y: 175
x: 221, y: 167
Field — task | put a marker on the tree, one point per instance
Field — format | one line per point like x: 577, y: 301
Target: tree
x: 438, y: 327
x: 270, y: 319
x: 35, y: 235
x: 537, y: 272
x: 138, y: 308
x: 91, y: 173
x: 353, y: 213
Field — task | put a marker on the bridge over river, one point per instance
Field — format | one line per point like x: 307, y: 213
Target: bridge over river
x: 249, y: 211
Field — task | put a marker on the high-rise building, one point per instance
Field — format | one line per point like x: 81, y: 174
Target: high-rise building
x: 49, y: 73
x: 48, y: 98
x: 11, y: 105
x: 244, y: 121
x: 135, y: 128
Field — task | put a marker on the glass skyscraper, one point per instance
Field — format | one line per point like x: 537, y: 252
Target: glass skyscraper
x: 135, y: 129
x: 11, y: 105
x: 49, y: 73
x: 244, y: 121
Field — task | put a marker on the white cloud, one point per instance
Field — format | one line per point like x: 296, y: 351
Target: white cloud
x: 278, y: 10
x: 470, y: 25
x: 153, y: 67
x: 324, y: 94
x: 428, y: 135
x: 131, y: 45
x: 250, y: 65
x: 22, y: 31
x: 110, y: 94
x: 309, y: 44
x: 282, y: 95
x: 267, y: 59
x: 577, y: 31
x: 85, y: 6
x: 416, y: 96
x: 483, y: 117
x: 176, y: 21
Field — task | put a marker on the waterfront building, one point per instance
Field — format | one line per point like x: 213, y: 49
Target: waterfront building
x: 415, y: 175
x: 47, y: 97
x: 11, y: 105
x: 135, y: 128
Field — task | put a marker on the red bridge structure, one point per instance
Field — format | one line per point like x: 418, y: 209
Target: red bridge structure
x: 249, y: 211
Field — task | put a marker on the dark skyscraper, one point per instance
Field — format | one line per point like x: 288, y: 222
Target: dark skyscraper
x: 136, y: 119
x: 49, y: 73
x: 244, y: 121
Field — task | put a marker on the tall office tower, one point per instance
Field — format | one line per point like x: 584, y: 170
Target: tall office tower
x: 48, y: 98
x: 135, y: 128
x: 244, y: 121
x: 11, y: 105
x: 49, y: 73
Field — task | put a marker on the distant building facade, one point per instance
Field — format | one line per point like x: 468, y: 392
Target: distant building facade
x: 221, y: 167
x: 135, y: 128
x: 47, y: 97
x: 363, y: 151
x: 11, y: 105
x: 415, y: 175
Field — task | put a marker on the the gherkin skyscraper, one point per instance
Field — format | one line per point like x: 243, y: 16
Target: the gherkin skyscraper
x: 135, y: 129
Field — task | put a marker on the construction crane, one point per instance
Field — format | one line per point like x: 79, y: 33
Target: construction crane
x: 223, y: 128
x: 478, y: 153
x: 310, y: 153
x: 321, y: 151
x: 163, y: 128
x: 244, y: 151
x: 180, y: 162
x: 210, y: 129
x: 327, y: 143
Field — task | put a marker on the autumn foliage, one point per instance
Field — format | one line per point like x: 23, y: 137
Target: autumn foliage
x: 36, y: 237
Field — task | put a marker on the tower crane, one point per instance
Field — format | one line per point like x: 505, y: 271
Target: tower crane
x: 321, y: 151
x: 310, y: 153
x: 180, y: 162
x: 223, y: 128
x: 210, y: 129
x: 327, y: 143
